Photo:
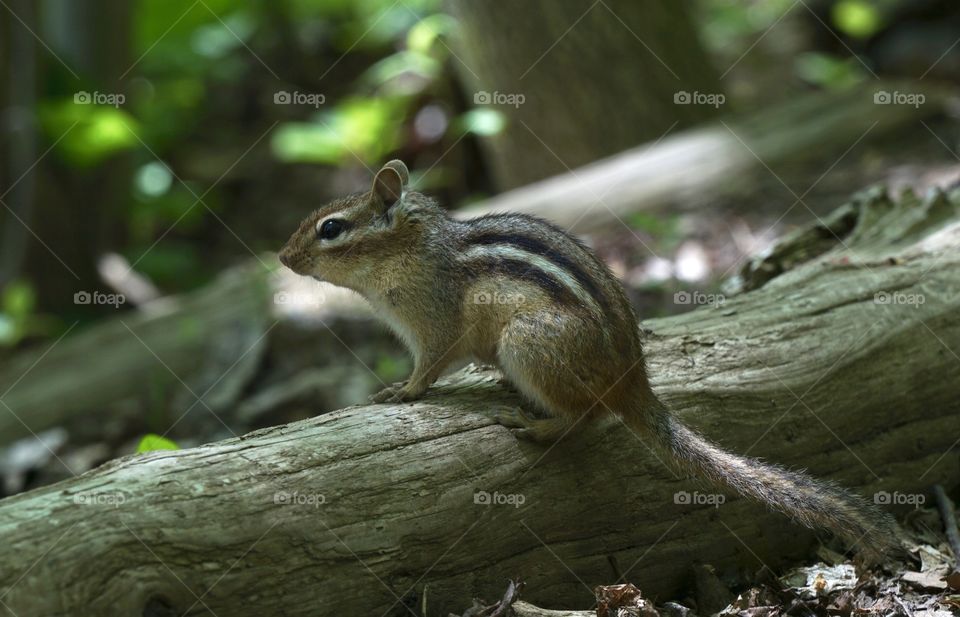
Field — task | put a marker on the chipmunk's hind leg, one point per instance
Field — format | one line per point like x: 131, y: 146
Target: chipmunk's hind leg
x: 528, y: 355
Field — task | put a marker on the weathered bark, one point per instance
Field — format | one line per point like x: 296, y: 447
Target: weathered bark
x: 596, y: 78
x: 691, y: 168
x: 359, y: 510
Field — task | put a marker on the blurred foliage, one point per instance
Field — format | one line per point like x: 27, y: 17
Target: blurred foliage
x: 372, y: 78
x: 365, y: 128
x: 734, y: 28
x: 664, y: 226
x: 91, y: 133
x: 733, y: 22
x: 193, y: 62
x: 390, y: 369
x: 19, y: 319
x: 828, y: 70
x: 17, y: 302
x: 368, y: 125
x: 482, y: 121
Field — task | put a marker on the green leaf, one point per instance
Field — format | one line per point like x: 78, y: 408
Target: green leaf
x: 152, y: 442
x: 856, y: 18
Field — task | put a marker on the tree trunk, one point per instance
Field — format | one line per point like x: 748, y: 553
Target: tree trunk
x: 842, y: 364
x: 539, y: 49
x: 19, y: 98
x: 80, y: 213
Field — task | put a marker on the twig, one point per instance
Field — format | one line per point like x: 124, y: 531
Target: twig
x: 949, y: 516
x: 509, y: 597
x: 499, y: 609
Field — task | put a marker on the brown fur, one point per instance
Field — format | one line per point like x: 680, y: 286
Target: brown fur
x: 566, y: 337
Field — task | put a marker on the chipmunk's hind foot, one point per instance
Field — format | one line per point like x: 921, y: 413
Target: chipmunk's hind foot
x: 525, y: 426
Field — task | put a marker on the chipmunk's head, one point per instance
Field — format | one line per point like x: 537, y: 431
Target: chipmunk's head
x: 348, y: 241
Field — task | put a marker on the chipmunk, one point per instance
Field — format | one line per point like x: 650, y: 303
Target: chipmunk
x: 518, y: 292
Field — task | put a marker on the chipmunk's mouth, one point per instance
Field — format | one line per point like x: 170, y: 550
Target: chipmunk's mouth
x: 293, y: 261
x: 298, y: 265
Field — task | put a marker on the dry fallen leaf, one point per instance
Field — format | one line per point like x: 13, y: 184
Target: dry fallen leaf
x: 820, y: 579
x: 612, y: 598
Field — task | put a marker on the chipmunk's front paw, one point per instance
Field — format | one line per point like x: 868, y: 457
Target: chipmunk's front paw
x: 397, y: 393
x: 522, y: 433
x: 390, y: 394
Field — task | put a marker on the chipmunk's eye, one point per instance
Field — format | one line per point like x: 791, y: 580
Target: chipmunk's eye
x: 330, y: 229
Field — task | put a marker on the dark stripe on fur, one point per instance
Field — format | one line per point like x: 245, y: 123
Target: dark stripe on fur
x: 521, y: 270
x: 538, y: 247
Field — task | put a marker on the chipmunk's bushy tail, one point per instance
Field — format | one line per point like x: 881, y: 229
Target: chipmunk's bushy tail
x: 813, y: 503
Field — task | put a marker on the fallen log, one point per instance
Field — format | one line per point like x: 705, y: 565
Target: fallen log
x: 845, y: 364
x: 191, y: 339
x: 693, y: 167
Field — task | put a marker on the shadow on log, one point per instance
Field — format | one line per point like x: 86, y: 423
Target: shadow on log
x: 845, y: 364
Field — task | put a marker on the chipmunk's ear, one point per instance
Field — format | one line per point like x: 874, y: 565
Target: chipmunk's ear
x: 390, y: 182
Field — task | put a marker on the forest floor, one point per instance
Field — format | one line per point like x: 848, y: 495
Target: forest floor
x: 925, y: 584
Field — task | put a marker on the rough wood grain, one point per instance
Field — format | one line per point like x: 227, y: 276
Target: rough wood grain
x: 357, y: 511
